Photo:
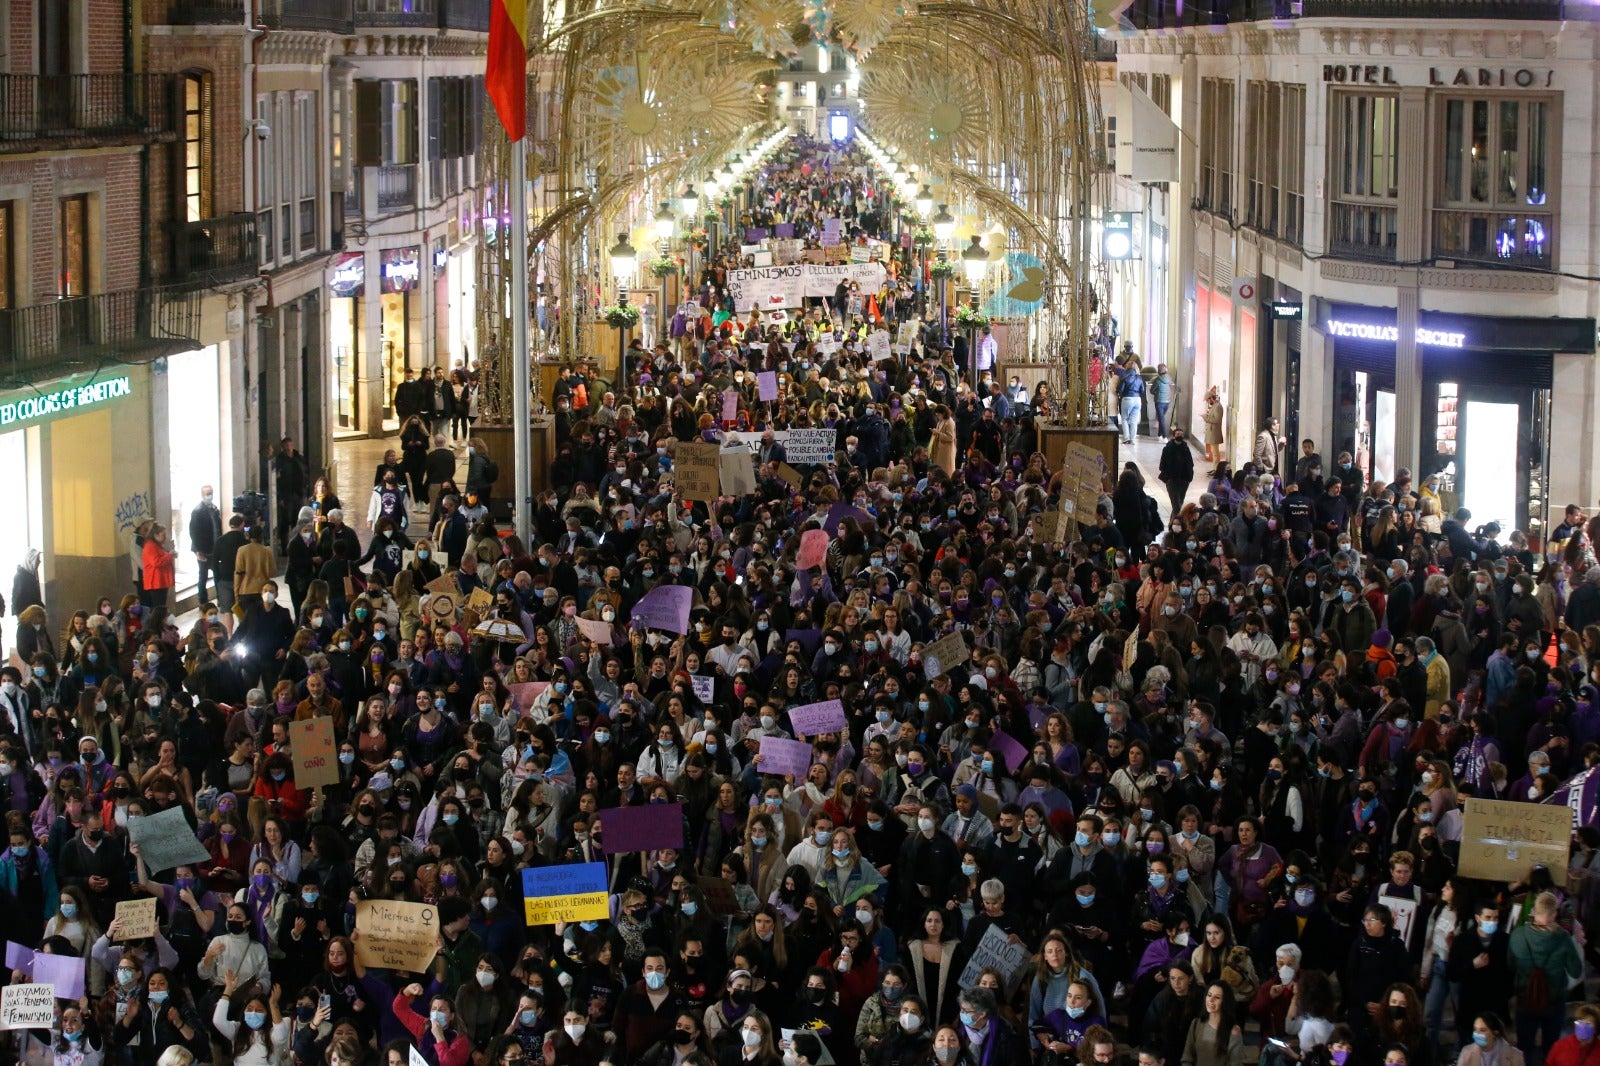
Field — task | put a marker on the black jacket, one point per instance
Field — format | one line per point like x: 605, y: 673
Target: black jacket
x: 1177, y: 462
x: 205, y: 529
x: 440, y: 466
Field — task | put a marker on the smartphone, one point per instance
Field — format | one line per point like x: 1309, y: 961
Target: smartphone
x: 324, y: 1002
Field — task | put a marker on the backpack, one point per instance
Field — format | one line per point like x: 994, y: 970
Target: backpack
x: 1535, y: 996
x: 491, y: 470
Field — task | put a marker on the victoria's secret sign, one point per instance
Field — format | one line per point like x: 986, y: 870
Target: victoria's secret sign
x: 1460, y: 77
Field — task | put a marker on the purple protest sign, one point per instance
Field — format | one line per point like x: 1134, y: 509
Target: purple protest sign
x: 839, y: 512
x: 783, y: 230
x: 730, y: 406
x: 63, y: 971
x: 647, y: 828
x: 755, y: 235
x: 19, y: 957
x: 779, y: 756
x: 810, y: 639
x: 814, y: 718
x: 1009, y: 749
x: 665, y: 607
x: 767, y: 385
x: 1582, y: 794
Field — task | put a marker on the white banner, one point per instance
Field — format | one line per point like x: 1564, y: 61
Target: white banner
x: 769, y: 288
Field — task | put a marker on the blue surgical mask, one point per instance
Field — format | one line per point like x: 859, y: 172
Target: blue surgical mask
x: 655, y: 981
x: 1158, y: 880
x: 1081, y: 839
x: 255, y: 1019
x: 528, y: 1018
x: 969, y: 869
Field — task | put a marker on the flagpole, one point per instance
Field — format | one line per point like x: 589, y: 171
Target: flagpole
x: 521, y: 386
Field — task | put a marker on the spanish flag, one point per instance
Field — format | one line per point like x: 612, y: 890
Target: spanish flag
x: 506, y: 80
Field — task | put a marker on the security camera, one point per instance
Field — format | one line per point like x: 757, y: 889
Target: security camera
x: 261, y: 130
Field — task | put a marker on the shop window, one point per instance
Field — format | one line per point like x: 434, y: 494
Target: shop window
x: 1216, y: 145
x: 1365, y: 175
x: 1495, y: 201
x: 197, y: 117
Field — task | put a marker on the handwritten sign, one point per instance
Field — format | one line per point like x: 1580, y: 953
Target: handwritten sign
x: 943, y: 655
x: 813, y: 549
x: 568, y: 893
x: 664, y: 607
x: 136, y: 919
x: 1404, y: 912
x: 694, y: 470
x: 166, y: 840
x: 63, y: 972
x: 783, y: 757
x: 28, y: 1007
x: 767, y: 386
x: 730, y: 406
x: 524, y: 693
x: 810, y: 445
x: 812, y: 719
x: 316, y: 756
x: 878, y: 345
x: 705, y: 688
x: 736, y: 472
x: 995, y: 951
x: 396, y: 935
x: 832, y: 230
x: 648, y: 828
x: 1501, y: 840
x: 596, y: 630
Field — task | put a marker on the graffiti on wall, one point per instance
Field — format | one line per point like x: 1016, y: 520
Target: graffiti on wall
x: 133, y: 510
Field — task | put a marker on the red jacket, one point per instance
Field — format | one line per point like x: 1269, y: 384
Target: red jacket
x: 1271, y: 1011
x: 158, y: 568
x: 292, y: 802
x: 455, y: 1051
x: 1568, y: 1052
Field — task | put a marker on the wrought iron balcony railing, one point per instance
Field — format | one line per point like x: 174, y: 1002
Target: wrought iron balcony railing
x: 81, y: 333
x: 40, y: 110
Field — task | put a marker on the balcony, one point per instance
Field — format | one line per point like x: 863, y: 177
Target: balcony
x: 1362, y: 231
x: 81, y: 333
x: 327, y: 16
x: 424, y: 14
x: 214, y: 251
x: 44, y: 111
x: 1506, y: 239
x: 205, y: 13
x: 396, y: 187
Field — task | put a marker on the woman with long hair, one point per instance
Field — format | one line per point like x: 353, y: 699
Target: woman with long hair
x: 1214, y: 1038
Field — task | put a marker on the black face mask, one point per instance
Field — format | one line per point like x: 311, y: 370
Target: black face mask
x: 1397, y: 1013
x: 237, y: 927
x: 739, y: 996
x: 682, y: 1037
x: 816, y: 996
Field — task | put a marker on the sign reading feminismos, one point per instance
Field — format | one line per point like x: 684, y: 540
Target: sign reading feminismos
x: 31, y: 408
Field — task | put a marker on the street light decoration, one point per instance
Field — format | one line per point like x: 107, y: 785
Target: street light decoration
x: 691, y: 201
x: 665, y: 222
x: 944, y: 224
x: 624, y: 260
x: 924, y: 203
x: 975, y: 261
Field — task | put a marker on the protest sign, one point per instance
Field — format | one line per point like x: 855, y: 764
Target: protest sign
x: 832, y: 229
x: 944, y: 654
x: 860, y: 253
x: 396, y: 935
x: 1501, y: 840
x: 767, y: 288
x: 664, y: 607
x: 791, y: 476
x: 810, y: 445
x: 595, y: 630
x: 994, y: 950
x: 443, y: 585
x: 878, y: 345
x: 810, y: 639
x: 415, y: 1057
x: 784, y: 230
x: 524, y: 693
x: 480, y: 601
x: 566, y: 893
x: 19, y: 957
x: 814, y: 718
x: 63, y: 972
x: 730, y: 406
x: 779, y: 756
x: 1404, y: 912
x: 767, y: 385
x: 813, y: 549
x: 814, y: 255
x: 648, y: 828
x: 736, y: 471
x: 694, y: 470
x: 1007, y: 747
x: 705, y: 688
x: 314, y: 754
x: 27, y: 1007
x: 166, y: 840
x: 835, y: 253
x: 136, y: 919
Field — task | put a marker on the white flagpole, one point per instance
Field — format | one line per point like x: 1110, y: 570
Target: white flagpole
x: 521, y: 387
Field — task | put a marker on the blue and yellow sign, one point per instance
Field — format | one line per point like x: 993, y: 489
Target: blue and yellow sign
x: 575, y: 893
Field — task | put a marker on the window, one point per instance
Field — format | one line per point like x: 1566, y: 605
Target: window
x: 1216, y: 147
x: 8, y: 265
x: 196, y: 147
x: 1365, y: 178
x: 306, y: 161
x: 1495, y: 201
x: 73, y: 251
x: 1161, y: 92
x: 1274, y: 157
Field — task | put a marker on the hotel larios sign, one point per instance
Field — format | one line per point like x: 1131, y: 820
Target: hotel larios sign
x: 1443, y: 77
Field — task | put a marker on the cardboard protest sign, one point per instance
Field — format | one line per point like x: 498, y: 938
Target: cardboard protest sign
x: 480, y: 601
x: 995, y: 950
x: 166, y: 840
x: 813, y: 549
x: 1500, y: 840
x: 944, y: 654
x: 566, y: 893
x: 595, y: 630
x: 813, y: 718
x: 62, y: 972
x: 315, y: 755
x: 783, y: 757
x: 664, y: 607
x: 648, y: 828
x: 694, y: 470
x: 791, y: 476
x: 1404, y: 912
x: 396, y: 935
x: 27, y: 1007
x: 444, y: 585
x: 736, y: 472
x: 767, y: 385
x: 136, y: 919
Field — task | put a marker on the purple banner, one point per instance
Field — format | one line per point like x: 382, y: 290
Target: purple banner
x: 1013, y: 753
x: 19, y: 957
x: 784, y: 757
x: 784, y: 230
x: 1582, y: 794
x: 665, y: 607
x: 814, y: 718
x: 753, y: 235
x: 648, y: 828
x: 63, y: 971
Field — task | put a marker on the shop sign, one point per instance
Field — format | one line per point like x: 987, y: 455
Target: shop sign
x: 1291, y: 309
x: 349, y: 275
x: 63, y: 401
x: 401, y: 269
x: 1369, y: 331
x: 1441, y: 77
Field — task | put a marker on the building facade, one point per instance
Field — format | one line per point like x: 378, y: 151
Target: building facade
x: 1379, y: 231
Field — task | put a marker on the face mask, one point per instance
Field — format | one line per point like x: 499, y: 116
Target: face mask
x: 69, y: 910
x: 1305, y: 897
x: 237, y: 928
x: 758, y: 840
x: 346, y: 758
x: 1111, y: 839
x: 1481, y: 1039
x: 655, y: 981
x: 946, y: 1055
x: 255, y: 1019
x: 969, y: 869
x: 1488, y: 928
x: 1158, y: 881
x: 1339, y: 1055
x: 910, y: 1022
x: 485, y: 978
x: 751, y: 1037
x: 1081, y: 839
x: 158, y: 996
x: 1182, y: 939
x: 1583, y: 1030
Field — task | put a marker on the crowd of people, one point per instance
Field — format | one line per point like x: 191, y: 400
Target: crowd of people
x: 1193, y: 793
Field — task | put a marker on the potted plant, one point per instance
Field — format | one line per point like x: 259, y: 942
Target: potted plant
x: 923, y: 237
x: 698, y: 237
x: 620, y: 316
x: 941, y: 269
x: 663, y: 266
x: 968, y: 317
